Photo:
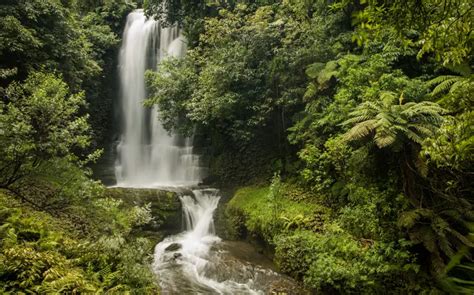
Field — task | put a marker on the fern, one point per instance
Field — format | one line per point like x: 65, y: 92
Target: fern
x: 449, y: 83
x: 437, y: 234
x: 388, y: 121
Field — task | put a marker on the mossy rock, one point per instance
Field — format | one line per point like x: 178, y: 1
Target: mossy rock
x: 165, y: 206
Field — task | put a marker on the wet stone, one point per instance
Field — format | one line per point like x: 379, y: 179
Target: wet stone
x: 173, y: 247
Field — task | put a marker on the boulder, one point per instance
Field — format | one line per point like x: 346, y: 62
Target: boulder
x: 164, y: 204
x: 173, y: 247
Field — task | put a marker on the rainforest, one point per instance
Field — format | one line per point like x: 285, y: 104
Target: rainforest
x: 236, y: 147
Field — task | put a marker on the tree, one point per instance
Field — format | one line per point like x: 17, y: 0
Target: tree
x: 39, y: 121
x: 400, y: 126
x: 439, y: 28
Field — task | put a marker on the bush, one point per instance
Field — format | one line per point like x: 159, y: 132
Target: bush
x: 335, y: 260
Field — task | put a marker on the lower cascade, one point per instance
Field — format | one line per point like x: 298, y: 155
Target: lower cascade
x: 197, y: 261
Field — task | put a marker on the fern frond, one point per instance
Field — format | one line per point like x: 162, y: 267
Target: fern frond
x: 440, y: 79
x: 384, y: 139
x: 414, y: 137
x: 460, y: 237
x: 361, y: 130
x: 445, y: 86
x: 457, y: 85
x: 388, y: 97
x: 423, y: 131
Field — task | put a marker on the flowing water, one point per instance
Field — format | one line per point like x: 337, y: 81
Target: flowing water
x: 195, y: 261
x: 198, y: 262
x: 148, y: 156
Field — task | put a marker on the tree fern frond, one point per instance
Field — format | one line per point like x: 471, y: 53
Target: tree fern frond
x: 388, y: 97
x: 445, y: 247
x: 414, y: 137
x: 421, y: 166
x: 409, y: 219
x: 457, y: 85
x: 427, y: 236
x: 440, y: 79
x: 357, y: 119
x: 462, y: 69
x: 371, y: 106
x: 423, y: 131
x: 445, y: 86
x: 384, y: 139
x: 460, y: 237
x: 361, y: 130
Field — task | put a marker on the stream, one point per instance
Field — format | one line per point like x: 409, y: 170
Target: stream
x: 197, y: 261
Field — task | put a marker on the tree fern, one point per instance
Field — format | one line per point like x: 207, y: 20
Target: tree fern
x: 450, y: 83
x: 435, y: 230
x: 390, y: 122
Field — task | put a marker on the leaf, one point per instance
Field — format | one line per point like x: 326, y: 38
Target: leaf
x: 313, y: 70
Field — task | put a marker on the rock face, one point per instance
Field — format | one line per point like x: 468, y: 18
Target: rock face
x: 165, y: 207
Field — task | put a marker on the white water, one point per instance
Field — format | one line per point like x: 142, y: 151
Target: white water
x: 147, y: 155
x: 195, y: 261
x: 192, y: 265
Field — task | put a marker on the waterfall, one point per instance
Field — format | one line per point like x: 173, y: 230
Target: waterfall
x: 195, y: 261
x: 148, y: 155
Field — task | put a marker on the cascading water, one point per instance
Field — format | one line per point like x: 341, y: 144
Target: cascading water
x: 195, y: 261
x: 147, y: 155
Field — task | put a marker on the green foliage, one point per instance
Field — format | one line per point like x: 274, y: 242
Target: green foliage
x: 45, y: 40
x: 267, y: 212
x: 171, y: 12
x: 334, y: 260
x: 378, y: 130
x: 442, y: 233
x: 393, y: 122
x: 178, y: 79
x: 324, y: 166
x: 244, y: 74
x: 76, y: 39
x: 454, y: 144
x: 437, y: 27
x: 370, y: 213
x: 381, y: 128
x: 458, y: 274
x: 44, y: 254
x: 40, y: 121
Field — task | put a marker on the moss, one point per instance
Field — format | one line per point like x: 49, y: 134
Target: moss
x: 256, y: 210
x: 165, y: 206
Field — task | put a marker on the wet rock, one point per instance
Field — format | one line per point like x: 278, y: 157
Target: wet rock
x: 177, y: 255
x: 165, y: 206
x: 173, y: 247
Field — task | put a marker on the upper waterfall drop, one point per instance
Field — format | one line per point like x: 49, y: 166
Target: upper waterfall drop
x: 148, y: 155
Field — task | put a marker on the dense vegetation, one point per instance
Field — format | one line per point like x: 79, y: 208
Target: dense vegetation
x: 346, y: 127
x: 59, y: 233
x: 364, y: 109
